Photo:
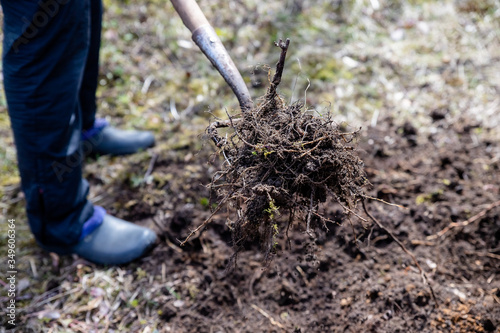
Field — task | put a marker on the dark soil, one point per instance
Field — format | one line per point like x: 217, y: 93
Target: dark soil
x: 350, y: 279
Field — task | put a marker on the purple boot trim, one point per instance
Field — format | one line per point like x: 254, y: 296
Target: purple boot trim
x: 99, y: 124
x: 93, y: 222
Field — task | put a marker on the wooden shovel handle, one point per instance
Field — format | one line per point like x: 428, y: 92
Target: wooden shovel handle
x: 210, y: 44
x: 190, y: 13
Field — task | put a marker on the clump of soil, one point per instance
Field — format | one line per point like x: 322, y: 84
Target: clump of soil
x: 282, y: 161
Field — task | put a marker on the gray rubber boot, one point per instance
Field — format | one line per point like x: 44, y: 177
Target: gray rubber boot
x: 114, y: 141
x: 115, y: 242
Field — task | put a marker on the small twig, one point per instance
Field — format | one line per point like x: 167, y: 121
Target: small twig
x: 268, y: 316
x: 314, y: 141
x: 303, y: 274
x: 150, y: 167
x: 147, y: 84
x: 214, y: 135
x: 305, y: 93
x: 226, y: 158
x: 173, y: 110
x: 324, y: 219
x: 310, y: 150
x: 232, y: 121
x: 160, y: 227
x: 383, y: 201
x: 464, y: 223
x: 279, y: 66
x: 291, y: 216
x: 33, y: 268
x: 421, y: 242
x: 308, y: 229
x: 487, y: 254
x: 353, y: 231
x: 350, y: 210
x: 368, y: 239
x: 39, y: 303
x: 207, y: 221
x: 401, y: 245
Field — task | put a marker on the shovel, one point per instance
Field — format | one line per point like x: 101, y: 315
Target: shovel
x: 207, y: 40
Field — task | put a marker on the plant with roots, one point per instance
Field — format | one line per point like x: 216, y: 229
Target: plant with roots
x: 281, y: 162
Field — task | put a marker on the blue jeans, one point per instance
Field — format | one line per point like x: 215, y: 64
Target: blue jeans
x: 50, y: 68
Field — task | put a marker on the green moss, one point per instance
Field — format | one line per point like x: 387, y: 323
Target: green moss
x: 272, y: 209
x: 429, y: 197
x: 205, y: 202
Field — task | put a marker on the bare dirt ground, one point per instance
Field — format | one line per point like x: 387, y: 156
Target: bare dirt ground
x: 422, y: 80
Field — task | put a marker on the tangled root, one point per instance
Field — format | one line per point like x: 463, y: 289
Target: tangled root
x: 283, y: 161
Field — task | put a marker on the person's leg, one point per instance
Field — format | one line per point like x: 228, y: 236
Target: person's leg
x: 91, y: 72
x: 45, y: 50
x: 98, y: 137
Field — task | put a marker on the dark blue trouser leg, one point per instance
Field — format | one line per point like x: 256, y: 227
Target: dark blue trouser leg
x: 45, y: 51
x: 91, y: 72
